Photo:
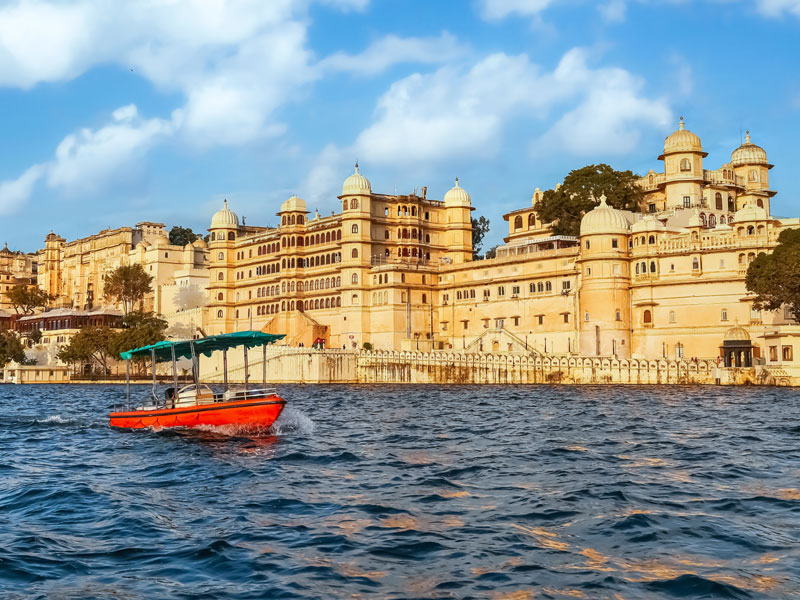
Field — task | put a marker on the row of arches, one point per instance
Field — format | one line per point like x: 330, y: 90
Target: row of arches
x: 312, y: 240
x: 293, y: 220
x: 353, y: 204
x: 380, y: 298
x: 751, y: 230
x: 268, y: 248
x: 746, y: 259
x: 220, y: 236
x: 518, y: 221
x: 642, y: 267
x: 319, y: 303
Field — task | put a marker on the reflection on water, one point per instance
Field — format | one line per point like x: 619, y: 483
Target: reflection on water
x: 509, y: 493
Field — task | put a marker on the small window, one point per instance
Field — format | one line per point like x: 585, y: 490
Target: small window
x: 586, y: 316
x: 566, y: 317
x: 516, y: 321
x: 614, y: 243
x: 695, y: 264
x: 672, y: 316
x: 773, y: 353
x: 687, y: 201
x: 787, y: 353
x: 619, y: 315
x: 565, y: 285
x: 499, y: 323
x: 354, y: 228
x: 354, y: 253
x: 723, y: 315
x: 686, y: 164
x: 540, y: 319
x: 647, y: 317
x: 588, y: 244
x: 501, y: 291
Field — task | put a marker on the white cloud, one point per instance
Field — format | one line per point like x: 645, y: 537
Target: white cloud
x: 15, y: 193
x: 613, y: 11
x: 496, y: 10
x: 776, y: 8
x: 392, y: 50
x: 463, y: 114
x: 87, y: 160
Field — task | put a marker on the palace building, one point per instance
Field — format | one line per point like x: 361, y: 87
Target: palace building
x: 397, y: 271
x: 16, y: 268
x: 74, y: 271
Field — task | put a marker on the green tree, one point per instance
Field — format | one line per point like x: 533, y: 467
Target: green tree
x: 128, y: 284
x: 775, y: 277
x: 180, y: 236
x: 28, y: 298
x: 90, y: 345
x: 36, y: 336
x: 139, y: 329
x: 491, y: 252
x: 480, y: 227
x: 10, y: 348
x: 580, y: 193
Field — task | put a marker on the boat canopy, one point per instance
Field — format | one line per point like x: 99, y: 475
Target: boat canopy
x: 205, y: 346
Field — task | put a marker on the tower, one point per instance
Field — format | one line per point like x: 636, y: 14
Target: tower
x: 222, y: 254
x: 356, y: 255
x: 604, y: 300
x: 752, y: 168
x: 683, y: 167
x: 458, y: 237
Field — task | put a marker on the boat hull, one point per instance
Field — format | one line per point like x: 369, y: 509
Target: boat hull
x: 251, y: 413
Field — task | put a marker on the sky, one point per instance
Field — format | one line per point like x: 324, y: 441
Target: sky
x: 116, y: 112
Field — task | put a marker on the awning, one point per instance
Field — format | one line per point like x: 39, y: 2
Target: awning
x: 205, y: 346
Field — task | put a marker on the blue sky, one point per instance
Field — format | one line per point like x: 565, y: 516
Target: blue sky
x: 118, y: 112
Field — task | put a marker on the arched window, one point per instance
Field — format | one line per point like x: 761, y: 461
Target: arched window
x: 344, y: 205
x: 219, y: 314
x: 213, y: 236
x: 647, y: 317
x: 300, y: 219
x: 327, y: 237
x: 686, y: 164
x: 301, y: 241
x: 294, y: 220
x: 354, y: 253
x: 338, y: 281
x: 722, y: 219
x: 753, y: 176
x: 703, y: 219
x: 413, y: 211
x: 751, y: 230
x: 339, y: 234
x: 427, y: 238
x: 354, y: 278
x: 338, y: 302
x: 386, y: 234
x: 220, y: 276
x: 712, y: 221
x: 731, y: 205
x: 718, y: 201
x: 231, y: 236
x: 354, y: 228
x: 354, y: 203
x: 220, y: 256
x: 652, y: 266
x: 517, y: 223
x: 413, y: 234
x: 531, y: 220
x: 695, y: 264
x: 651, y: 239
x: 219, y: 296
x: 283, y: 220
x: 354, y: 299
x: 760, y: 203
x: 637, y: 268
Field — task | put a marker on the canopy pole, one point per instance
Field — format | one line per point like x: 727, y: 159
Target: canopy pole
x: 264, y: 365
x: 195, y: 366
x: 127, y: 383
x: 155, y: 383
x: 245, y: 368
x: 225, y: 368
x: 174, y: 373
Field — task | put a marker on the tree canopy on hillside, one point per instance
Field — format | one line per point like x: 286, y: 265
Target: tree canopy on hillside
x: 180, y: 236
x: 26, y: 298
x: 580, y: 193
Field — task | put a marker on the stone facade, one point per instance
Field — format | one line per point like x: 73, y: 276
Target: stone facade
x: 74, y: 271
x: 15, y: 268
x: 396, y: 272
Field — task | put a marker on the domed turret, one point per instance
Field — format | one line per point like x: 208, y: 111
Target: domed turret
x: 749, y: 154
x: 225, y: 218
x: 737, y: 333
x: 457, y: 196
x: 682, y: 140
x: 604, y: 219
x: 294, y: 204
x: 356, y: 184
x: 750, y: 212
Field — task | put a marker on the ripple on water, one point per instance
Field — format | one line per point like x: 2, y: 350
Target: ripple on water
x: 408, y: 492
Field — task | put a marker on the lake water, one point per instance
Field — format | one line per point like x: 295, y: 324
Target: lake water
x: 409, y: 492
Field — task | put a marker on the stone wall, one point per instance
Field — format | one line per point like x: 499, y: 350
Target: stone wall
x: 441, y: 367
x: 306, y: 365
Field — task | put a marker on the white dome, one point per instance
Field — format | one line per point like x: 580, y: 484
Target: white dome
x: 749, y: 154
x: 294, y: 204
x: 225, y: 217
x: 604, y: 219
x: 356, y: 184
x: 457, y: 196
x: 682, y: 140
x: 750, y: 212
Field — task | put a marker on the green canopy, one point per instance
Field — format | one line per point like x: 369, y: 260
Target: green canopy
x: 205, y: 346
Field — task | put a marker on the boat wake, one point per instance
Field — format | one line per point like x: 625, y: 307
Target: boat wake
x: 292, y: 420
x: 54, y: 420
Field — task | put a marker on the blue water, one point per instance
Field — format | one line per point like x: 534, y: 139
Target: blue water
x: 409, y: 492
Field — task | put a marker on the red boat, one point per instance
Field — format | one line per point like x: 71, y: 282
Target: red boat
x: 197, y: 404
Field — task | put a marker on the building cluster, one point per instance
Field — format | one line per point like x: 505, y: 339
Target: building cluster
x: 397, y: 272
